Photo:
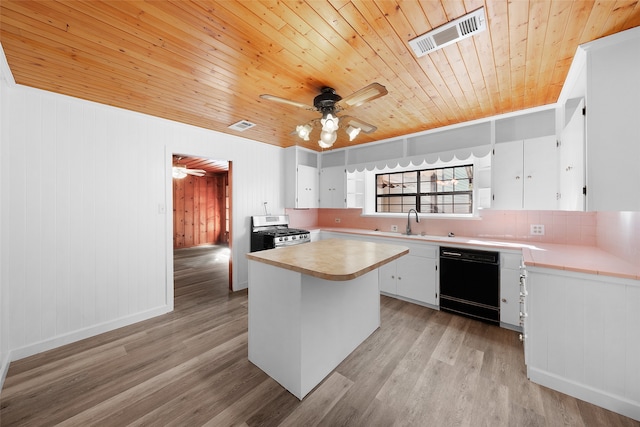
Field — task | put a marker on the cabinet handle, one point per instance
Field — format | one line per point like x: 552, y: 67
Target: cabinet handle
x: 524, y: 293
x: 504, y: 300
x: 529, y: 176
x: 518, y: 177
x: 393, y: 277
x: 399, y: 278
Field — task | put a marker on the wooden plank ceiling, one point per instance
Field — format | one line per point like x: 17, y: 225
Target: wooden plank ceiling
x: 206, y: 63
x: 210, y: 166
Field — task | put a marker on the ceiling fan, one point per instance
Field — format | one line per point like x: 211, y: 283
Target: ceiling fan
x: 328, y: 103
x: 180, y: 171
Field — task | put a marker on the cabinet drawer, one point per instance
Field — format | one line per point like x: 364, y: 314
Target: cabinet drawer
x: 425, y: 251
x: 511, y: 261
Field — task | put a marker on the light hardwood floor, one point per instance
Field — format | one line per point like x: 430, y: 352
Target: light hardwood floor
x: 190, y: 368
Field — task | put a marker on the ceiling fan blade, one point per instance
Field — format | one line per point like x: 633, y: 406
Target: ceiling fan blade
x: 287, y: 101
x: 357, y: 123
x: 366, y: 94
x: 196, y: 172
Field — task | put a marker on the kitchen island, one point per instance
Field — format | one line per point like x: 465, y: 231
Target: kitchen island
x: 311, y: 305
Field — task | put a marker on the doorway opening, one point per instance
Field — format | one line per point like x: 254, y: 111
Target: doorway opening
x: 202, y: 223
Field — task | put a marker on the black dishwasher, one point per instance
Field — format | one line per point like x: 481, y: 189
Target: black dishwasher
x: 470, y: 283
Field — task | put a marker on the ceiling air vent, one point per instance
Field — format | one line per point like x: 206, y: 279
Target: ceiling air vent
x: 451, y: 32
x: 242, y: 125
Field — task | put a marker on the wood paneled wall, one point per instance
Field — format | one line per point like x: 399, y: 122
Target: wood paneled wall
x: 199, y: 210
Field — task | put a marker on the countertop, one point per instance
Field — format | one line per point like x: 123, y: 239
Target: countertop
x: 332, y: 259
x: 582, y: 259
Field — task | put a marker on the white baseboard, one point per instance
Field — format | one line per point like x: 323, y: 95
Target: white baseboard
x: 70, y: 337
x: 612, y: 402
x: 4, y: 368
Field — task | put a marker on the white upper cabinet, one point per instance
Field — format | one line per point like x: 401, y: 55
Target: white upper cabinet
x: 307, y: 187
x: 525, y: 174
x: 301, y: 178
x: 332, y: 187
x: 572, y: 161
x: 507, y: 179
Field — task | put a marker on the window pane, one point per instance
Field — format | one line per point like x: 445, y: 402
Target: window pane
x: 382, y: 184
x: 438, y: 190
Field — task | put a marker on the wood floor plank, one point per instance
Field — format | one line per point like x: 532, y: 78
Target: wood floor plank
x: 313, y: 409
x: 190, y: 367
x: 398, y: 387
x: 447, y: 349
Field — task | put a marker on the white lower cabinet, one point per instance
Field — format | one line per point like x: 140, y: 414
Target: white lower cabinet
x: 510, y: 290
x: 583, y: 338
x: 414, y: 276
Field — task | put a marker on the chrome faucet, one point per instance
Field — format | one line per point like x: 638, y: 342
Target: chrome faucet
x: 409, y: 219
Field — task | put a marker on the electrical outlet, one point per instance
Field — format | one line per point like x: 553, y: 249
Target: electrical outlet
x: 394, y: 228
x: 337, y: 220
x: 537, y: 229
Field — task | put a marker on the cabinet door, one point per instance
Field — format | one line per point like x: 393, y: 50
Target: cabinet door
x: 507, y: 179
x: 572, y: 163
x: 332, y: 187
x: 541, y: 173
x: 307, y: 187
x: 417, y: 278
x: 387, y: 278
x: 510, y: 297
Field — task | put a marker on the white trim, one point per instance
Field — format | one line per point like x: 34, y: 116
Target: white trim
x: 573, y: 77
x: 68, y: 338
x: 4, y: 368
x: 454, y: 126
x: 612, y: 40
x: 613, y: 402
x: 5, y: 71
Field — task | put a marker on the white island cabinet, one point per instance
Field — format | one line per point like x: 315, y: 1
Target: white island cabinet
x: 311, y: 305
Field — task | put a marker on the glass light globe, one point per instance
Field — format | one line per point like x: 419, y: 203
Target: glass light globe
x: 328, y: 137
x: 330, y: 123
x: 303, y: 131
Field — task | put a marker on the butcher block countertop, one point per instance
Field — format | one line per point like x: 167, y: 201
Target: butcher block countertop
x: 581, y: 259
x: 332, y: 259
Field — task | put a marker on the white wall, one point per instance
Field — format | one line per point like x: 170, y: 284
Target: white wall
x: 613, y: 122
x: 86, y: 245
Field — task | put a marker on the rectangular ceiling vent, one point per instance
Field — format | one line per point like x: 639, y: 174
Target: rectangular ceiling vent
x: 451, y: 32
x: 242, y: 125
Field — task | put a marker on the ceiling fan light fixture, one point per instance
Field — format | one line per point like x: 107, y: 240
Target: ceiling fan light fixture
x: 178, y: 172
x: 352, y: 132
x: 330, y: 123
x: 303, y: 131
x: 327, y: 138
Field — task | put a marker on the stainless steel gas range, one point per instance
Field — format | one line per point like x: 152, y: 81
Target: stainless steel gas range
x: 272, y: 231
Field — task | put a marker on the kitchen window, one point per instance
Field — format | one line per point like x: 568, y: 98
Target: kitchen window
x: 447, y: 190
